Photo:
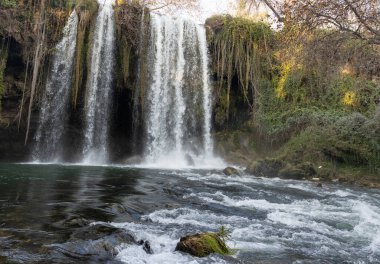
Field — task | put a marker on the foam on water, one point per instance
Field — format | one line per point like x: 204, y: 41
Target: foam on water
x: 163, y: 243
x: 343, y: 223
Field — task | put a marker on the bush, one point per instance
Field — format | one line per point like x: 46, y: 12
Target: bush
x: 8, y: 3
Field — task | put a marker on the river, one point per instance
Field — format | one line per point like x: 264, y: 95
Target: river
x: 48, y: 214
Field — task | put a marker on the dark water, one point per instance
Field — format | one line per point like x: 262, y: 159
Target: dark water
x: 77, y: 214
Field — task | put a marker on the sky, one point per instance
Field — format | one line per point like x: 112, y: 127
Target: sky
x: 212, y: 7
x: 207, y: 8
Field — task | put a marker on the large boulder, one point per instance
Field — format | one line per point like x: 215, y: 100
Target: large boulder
x: 229, y: 171
x: 202, y: 245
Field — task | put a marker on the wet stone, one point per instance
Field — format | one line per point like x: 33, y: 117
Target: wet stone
x: 229, y: 171
x: 146, y: 246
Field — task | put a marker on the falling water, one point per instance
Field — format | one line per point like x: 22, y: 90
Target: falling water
x: 54, y: 109
x: 179, y: 101
x: 98, y: 98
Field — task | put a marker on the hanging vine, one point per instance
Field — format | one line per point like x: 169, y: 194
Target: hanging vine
x: 241, y: 48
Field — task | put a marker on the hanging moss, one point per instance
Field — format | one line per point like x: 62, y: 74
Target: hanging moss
x: 241, y: 48
x: 130, y: 38
x: 86, y: 10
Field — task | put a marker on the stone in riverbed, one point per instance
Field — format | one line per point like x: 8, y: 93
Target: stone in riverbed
x: 92, y: 244
x: 146, y: 246
x: 229, y: 171
x: 202, y: 245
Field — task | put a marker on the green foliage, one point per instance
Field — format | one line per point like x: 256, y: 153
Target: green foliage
x: 214, y: 242
x: 87, y: 5
x: 69, y: 4
x: 8, y: 3
x: 351, y: 139
x: 224, y: 233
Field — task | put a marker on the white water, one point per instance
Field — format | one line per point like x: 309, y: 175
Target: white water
x: 99, y: 86
x: 179, y: 97
x: 54, y: 109
x: 272, y: 221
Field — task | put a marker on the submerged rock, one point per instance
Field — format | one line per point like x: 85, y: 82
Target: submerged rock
x: 202, y: 245
x: 115, y: 208
x: 75, y: 222
x: 94, y: 243
x: 229, y: 171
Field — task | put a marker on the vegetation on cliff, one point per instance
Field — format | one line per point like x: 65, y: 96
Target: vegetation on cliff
x: 86, y: 10
x: 308, y: 96
x: 23, y: 27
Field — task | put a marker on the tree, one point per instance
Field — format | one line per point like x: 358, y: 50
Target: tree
x: 360, y: 18
x: 274, y: 5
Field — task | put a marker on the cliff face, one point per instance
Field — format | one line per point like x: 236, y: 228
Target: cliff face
x: 18, y: 34
x: 18, y: 41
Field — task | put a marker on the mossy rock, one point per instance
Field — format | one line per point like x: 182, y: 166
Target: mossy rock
x: 229, y: 171
x: 266, y: 167
x: 202, y: 245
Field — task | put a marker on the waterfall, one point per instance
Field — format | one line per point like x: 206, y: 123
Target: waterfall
x: 54, y: 108
x: 99, y: 84
x: 178, y: 121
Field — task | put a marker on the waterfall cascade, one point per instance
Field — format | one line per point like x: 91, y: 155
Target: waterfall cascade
x: 178, y: 107
x: 99, y: 86
x: 54, y: 109
x: 178, y: 120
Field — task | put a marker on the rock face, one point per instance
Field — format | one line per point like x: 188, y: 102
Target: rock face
x: 202, y: 245
x: 229, y: 171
